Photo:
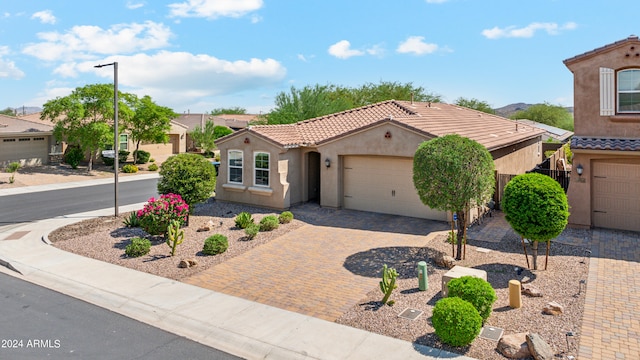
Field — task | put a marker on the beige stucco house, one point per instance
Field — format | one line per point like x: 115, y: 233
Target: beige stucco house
x: 24, y: 141
x: 606, y: 143
x: 233, y: 121
x: 362, y: 158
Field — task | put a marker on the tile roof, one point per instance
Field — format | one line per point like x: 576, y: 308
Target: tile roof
x: 431, y: 119
x: 597, y: 143
x: 630, y: 39
x: 10, y: 124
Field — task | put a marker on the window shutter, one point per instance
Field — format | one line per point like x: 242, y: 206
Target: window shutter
x: 607, y: 92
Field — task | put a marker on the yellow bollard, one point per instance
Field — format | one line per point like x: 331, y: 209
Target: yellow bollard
x: 515, y: 299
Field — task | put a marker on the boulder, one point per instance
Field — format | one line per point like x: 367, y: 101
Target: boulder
x: 514, y: 346
x: 183, y: 264
x: 531, y: 291
x: 192, y: 262
x: 539, y: 348
x: 553, y: 308
x: 444, y: 261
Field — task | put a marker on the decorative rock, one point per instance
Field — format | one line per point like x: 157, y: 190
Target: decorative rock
x: 531, y: 291
x: 183, y: 264
x: 204, y: 228
x: 445, y: 261
x: 553, y: 308
x: 514, y: 346
x: 192, y: 262
x: 539, y: 348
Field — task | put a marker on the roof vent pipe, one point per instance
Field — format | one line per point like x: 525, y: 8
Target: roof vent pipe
x: 516, y: 125
x: 412, y: 98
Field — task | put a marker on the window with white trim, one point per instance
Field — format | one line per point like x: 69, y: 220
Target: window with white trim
x: 124, y: 142
x: 261, y: 167
x: 628, y: 91
x: 235, y: 166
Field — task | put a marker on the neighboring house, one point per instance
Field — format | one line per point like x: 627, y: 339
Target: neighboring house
x: 360, y: 159
x: 550, y: 132
x: 232, y: 121
x: 24, y: 141
x: 606, y: 144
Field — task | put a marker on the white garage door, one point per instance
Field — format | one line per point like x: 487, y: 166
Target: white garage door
x: 26, y: 150
x: 616, y: 195
x: 384, y: 185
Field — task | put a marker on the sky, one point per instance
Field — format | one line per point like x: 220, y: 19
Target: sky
x: 199, y: 55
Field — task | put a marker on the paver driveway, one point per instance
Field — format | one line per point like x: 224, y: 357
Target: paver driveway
x: 323, y: 268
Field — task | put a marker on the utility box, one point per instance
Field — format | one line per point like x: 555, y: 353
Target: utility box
x: 423, y: 283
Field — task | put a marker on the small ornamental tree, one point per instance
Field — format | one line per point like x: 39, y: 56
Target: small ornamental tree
x: 536, y: 207
x: 190, y: 175
x: 453, y: 173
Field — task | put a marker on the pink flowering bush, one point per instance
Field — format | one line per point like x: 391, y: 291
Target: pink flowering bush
x: 157, y: 214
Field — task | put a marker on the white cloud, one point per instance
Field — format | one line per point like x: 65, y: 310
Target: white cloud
x: 134, y: 5
x: 45, y: 17
x: 376, y: 50
x: 85, y: 42
x: 342, y: 50
x: 8, y: 68
x: 213, y: 9
x: 527, y: 31
x: 417, y: 46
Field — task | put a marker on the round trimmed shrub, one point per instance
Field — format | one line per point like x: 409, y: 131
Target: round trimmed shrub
x: 109, y: 161
x: 141, y: 156
x: 456, y: 321
x: 153, y: 167
x: 215, y: 244
x: 269, y: 222
x: 74, y: 156
x: 476, y: 291
x: 190, y: 175
x: 138, y: 247
x: 129, y: 169
x: 252, y: 230
x: 285, y: 217
x: 123, y: 155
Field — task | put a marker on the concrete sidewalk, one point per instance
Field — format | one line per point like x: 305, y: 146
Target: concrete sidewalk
x: 234, y: 325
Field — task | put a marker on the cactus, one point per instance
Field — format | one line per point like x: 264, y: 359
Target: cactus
x: 175, y: 235
x: 388, y: 283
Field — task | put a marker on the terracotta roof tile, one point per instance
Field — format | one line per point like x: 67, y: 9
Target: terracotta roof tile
x: 630, y: 39
x: 593, y: 143
x: 10, y: 124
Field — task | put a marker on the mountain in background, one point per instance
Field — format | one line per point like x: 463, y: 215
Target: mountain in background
x: 507, y: 111
x: 26, y: 110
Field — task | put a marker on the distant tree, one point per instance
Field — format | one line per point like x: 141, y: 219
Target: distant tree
x: 319, y: 100
x: 546, y: 113
x: 536, y: 207
x: 475, y: 104
x: 220, y: 131
x: 150, y: 122
x: 453, y: 173
x: 234, y: 110
x: 8, y: 111
x: 204, y: 137
x: 85, y: 117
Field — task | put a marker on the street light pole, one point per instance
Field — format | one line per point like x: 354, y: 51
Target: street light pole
x: 116, y: 138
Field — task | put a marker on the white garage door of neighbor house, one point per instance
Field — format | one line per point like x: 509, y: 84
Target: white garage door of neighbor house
x: 616, y: 196
x: 384, y: 185
x: 29, y: 150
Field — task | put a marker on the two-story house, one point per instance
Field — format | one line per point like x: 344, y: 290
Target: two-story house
x: 606, y: 144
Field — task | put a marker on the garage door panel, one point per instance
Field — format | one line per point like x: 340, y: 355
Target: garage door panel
x: 27, y: 150
x: 616, y: 195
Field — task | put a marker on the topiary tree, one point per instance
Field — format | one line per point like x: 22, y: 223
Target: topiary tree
x: 189, y: 175
x: 453, y: 173
x: 536, y: 207
x: 456, y: 321
x: 476, y: 291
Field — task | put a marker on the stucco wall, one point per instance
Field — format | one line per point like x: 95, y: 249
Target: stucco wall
x: 519, y: 159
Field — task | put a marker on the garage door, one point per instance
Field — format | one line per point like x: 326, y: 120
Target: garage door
x: 616, y: 196
x: 27, y: 150
x: 171, y: 147
x: 384, y: 185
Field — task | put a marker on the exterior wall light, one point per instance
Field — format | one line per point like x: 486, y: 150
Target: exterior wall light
x: 579, y: 169
x: 327, y: 162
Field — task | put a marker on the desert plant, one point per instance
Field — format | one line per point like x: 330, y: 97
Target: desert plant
x: 123, y: 155
x: 456, y: 321
x: 109, y: 161
x: 153, y: 167
x: 141, y: 156
x: 243, y: 220
x: 129, y: 169
x: 388, y: 283
x: 132, y: 220
x: 152, y: 160
x: 252, y: 230
x: 269, y: 222
x: 285, y: 217
x: 174, y: 235
x: 138, y: 247
x: 156, y: 214
x: 12, y: 168
x: 215, y: 244
x: 190, y: 175
x: 73, y: 157
x: 476, y: 291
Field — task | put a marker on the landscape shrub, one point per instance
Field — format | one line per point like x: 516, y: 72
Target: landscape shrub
x: 243, y: 220
x: 269, y: 222
x: 132, y: 220
x: 456, y: 321
x: 476, y: 291
x: 138, y: 247
x: 123, y: 155
x: 215, y: 244
x: 252, y: 230
x: 109, y: 161
x: 153, y: 167
x: 156, y: 214
x: 129, y: 169
x: 152, y: 160
x: 141, y: 156
x: 12, y: 168
x: 285, y: 217
x: 74, y: 156
x: 190, y: 175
